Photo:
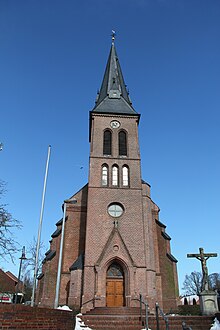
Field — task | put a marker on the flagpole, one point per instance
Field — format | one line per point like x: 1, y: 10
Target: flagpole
x: 39, y: 228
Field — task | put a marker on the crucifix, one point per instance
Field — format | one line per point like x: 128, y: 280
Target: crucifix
x: 203, y: 257
x: 116, y: 223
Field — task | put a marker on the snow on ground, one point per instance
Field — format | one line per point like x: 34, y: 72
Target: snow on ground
x: 79, y: 322
x: 65, y: 308
x: 216, y: 325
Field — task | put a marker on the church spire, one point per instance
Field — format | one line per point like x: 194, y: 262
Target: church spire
x: 113, y: 96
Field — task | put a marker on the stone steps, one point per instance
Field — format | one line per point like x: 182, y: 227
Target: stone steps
x: 115, y: 311
x: 129, y: 318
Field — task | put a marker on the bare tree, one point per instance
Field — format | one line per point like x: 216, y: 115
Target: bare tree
x: 192, y: 283
x: 214, y: 281
x: 8, y: 244
x: 29, y: 264
x: 28, y: 285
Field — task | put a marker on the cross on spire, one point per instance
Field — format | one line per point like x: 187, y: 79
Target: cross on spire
x: 113, y: 36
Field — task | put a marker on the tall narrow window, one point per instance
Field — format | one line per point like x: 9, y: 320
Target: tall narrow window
x: 115, y: 175
x: 107, y: 143
x: 104, y: 175
x: 122, y: 141
x: 125, y: 176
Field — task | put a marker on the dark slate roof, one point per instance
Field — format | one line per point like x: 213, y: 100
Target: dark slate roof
x: 144, y: 182
x: 160, y: 223
x: 48, y: 251
x: 166, y: 236
x: 78, y: 264
x: 60, y: 222
x: 115, y: 106
x: 113, y: 96
x: 56, y: 233
x: 50, y: 255
x: 171, y: 257
x: 40, y: 276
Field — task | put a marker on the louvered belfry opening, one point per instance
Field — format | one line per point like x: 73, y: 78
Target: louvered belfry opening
x: 122, y: 144
x: 107, y: 143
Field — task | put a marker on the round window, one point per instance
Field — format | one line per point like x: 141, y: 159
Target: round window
x: 115, y: 210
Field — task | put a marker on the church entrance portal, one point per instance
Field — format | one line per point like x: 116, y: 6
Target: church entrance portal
x: 115, y: 286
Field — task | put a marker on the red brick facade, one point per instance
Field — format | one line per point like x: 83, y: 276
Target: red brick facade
x: 94, y: 240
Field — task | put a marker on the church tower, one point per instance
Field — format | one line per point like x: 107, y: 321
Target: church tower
x: 115, y: 246
x: 121, y: 255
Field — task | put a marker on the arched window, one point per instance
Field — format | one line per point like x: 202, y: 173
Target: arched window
x: 115, y: 175
x: 122, y: 143
x: 115, y: 270
x: 185, y: 301
x: 107, y: 143
x: 125, y: 176
x: 104, y: 175
x: 194, y: 301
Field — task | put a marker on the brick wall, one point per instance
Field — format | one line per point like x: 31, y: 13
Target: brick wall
x: 26, y: 317
x: 74, y: 245
x: 167, y: 269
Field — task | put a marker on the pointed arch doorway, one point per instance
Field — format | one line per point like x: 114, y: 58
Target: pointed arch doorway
x: 115, y: 286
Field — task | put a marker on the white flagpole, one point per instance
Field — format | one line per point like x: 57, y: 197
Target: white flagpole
x: 39, y: 228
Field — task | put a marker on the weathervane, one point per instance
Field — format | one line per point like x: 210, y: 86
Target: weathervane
x: 113, y: 36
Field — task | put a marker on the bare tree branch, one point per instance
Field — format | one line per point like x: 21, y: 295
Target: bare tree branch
x: 214, y: 281
x: 192, y: 283
x: 29, y: 264
x: 8, y: 244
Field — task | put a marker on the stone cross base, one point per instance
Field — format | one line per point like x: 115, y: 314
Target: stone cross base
x: 208, y: 302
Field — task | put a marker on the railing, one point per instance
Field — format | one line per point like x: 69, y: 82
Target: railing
x: 159, y: 311
x: 141, y: 300
x: 88, y: 301
x: 185, y: 327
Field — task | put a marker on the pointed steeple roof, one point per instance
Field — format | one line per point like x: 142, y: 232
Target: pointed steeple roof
x: 113, y: 96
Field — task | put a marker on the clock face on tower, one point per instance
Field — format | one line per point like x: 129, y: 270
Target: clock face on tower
x: 115, y: 124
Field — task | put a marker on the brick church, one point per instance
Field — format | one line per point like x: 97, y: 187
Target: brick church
x: 115, y: 246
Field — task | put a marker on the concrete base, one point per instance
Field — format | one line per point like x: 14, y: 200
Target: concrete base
x: 208, y: 302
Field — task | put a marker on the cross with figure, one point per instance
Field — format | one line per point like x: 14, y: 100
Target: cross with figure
x: 203, y: 257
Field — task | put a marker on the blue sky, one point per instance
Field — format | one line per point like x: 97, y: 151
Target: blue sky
x: 52, y: 60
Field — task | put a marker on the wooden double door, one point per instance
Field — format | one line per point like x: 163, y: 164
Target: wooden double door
x: 115, y: 286
x: 115, y: 292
